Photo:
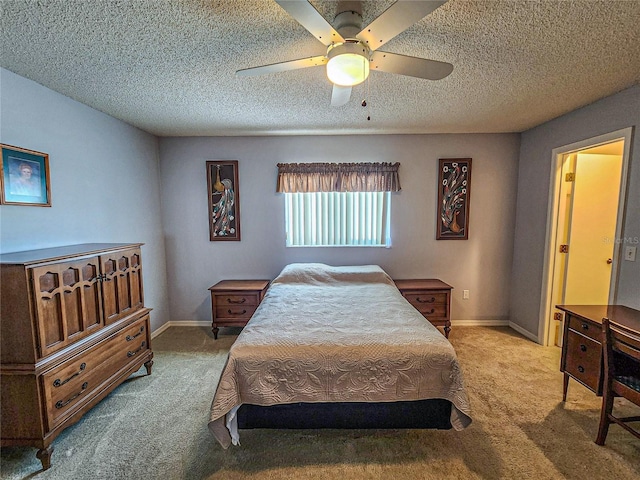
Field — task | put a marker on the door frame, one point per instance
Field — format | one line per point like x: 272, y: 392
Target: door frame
x: 557, y: 156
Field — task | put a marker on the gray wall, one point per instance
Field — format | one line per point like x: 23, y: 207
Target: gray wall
x: 481, y: 264
x: 104, y: 181
x: 607, y: 115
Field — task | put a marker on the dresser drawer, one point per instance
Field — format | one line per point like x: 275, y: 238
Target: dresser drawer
x: 239, y: 312
x: 73, y: 383
x: 583, y: 360
x: 585, y: 328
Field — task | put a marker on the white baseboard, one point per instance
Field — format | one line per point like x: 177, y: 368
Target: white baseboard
x: 454, y: 323
x: 524, y: 332
x: 180, y: 323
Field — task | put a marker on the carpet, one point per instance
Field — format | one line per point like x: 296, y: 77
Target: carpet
x: 155, y: 427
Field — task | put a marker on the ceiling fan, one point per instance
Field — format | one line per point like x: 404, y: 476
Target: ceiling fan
x: 352, y: 51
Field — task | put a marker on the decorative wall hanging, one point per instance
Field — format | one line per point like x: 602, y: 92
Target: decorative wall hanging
x: 224, y: 200
x: 24, y: 177
x: 454, y: 188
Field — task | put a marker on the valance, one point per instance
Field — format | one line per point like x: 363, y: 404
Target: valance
x: 338, y: 177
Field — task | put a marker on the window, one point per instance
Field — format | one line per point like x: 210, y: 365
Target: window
x: 327, y: 219
x: 338, y: 204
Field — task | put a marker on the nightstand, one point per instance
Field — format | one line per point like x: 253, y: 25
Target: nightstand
x: 234, y: 301
x: 431, y: 297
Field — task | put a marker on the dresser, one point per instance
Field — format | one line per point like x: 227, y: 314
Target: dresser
x: 234, y: 301
x: 431, y: 297
x: 73, y: 327
x: 582, y: 354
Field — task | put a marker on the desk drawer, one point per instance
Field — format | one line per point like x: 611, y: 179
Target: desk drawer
x: 584, y: 357
x: 588, y: 329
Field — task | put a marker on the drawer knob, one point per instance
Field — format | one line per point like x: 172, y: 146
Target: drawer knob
x: 131, y: 354
x: 58, y: 383
x: 580, y: 368
x: 237, y: 302
x: 236, y: 313
x: 585, y: 326
x: 131, y: 337
x: 431, y: 300
x: 583, y: 347
x: 60, y: 403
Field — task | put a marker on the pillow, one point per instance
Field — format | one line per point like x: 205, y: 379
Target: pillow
x: 319, y: 273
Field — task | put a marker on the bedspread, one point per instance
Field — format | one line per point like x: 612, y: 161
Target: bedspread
x: 337, y: 334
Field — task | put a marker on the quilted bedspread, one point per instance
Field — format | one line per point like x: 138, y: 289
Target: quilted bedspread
x: 336, y: 334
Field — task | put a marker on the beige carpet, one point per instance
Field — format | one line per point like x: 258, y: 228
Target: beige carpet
x: 156, y: 427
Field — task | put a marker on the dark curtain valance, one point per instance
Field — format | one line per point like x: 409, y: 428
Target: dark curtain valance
x: 338, y: 177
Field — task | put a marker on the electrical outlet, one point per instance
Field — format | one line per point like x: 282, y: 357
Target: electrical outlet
x: 465, y: 294
x: 630, y: 254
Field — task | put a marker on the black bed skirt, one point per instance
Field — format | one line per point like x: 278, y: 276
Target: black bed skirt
x: 433, y: 413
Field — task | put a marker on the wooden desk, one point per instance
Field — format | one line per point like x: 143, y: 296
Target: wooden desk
x: 582, y: 355
x: 431, y: 297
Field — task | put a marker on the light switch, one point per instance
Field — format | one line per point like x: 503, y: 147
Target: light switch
x: 630, y: 254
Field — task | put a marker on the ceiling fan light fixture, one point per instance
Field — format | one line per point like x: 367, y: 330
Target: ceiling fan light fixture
x: 348, y: 64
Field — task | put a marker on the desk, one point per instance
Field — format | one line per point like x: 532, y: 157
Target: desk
x: 582, y: 355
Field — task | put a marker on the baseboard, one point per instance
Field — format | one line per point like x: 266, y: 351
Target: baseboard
x: 480, y: 323
x: 180, y: 323
x: 524, y: 332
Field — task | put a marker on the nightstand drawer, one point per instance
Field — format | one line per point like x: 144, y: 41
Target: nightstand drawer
x: 430, y: 310
x: 235, y: 300
x: 426, y: 298
x: 584, y: 357
x: 235, y: 311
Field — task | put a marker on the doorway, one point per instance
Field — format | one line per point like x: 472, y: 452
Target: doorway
x: 582, y: 257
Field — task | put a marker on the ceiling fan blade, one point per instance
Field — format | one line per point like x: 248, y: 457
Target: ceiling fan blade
x: 307, y: 16
x: 411, y: 66
x: 340, y: 95
x: 283, y: 66
x: 396, y: 19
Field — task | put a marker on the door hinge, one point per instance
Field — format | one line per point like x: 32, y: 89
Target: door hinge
x: 564, y: 248
x: 570, y: 177
x: 557, y: 316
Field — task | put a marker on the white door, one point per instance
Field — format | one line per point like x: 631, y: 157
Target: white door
x: 592, y: 229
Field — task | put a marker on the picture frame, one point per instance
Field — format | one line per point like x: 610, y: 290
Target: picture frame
x: 24, y: 177
x: 224, y: 200
x: 454, y: 193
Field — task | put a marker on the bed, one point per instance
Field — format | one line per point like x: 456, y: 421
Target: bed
x: 338, y: 347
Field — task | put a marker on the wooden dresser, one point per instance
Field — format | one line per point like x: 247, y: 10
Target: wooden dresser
x: 431, y: 297
x: 582, y: 353
x: 73, y: 327
x: 234, y: 301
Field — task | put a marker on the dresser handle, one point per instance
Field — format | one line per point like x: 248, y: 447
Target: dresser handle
x: 433, y: 299
x: 236, y: 313
x: 131, y: 354
x: 580, y: 368
x: 60, y: 403
x: 583, y: 347
x: 58, y: 383
x: 237, y: 302
x: 430, y: 311
x: 129, y: 337
x: 585, y: 326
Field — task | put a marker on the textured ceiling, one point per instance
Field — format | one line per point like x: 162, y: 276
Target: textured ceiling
x: 168, y: 67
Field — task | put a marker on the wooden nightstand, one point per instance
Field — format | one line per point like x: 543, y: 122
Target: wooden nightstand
x: 431, y: 297
x: 234, y: 301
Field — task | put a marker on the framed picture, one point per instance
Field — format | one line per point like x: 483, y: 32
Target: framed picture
x: 224, y: 200
x: 454, y: 189
x: 24, y: 177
